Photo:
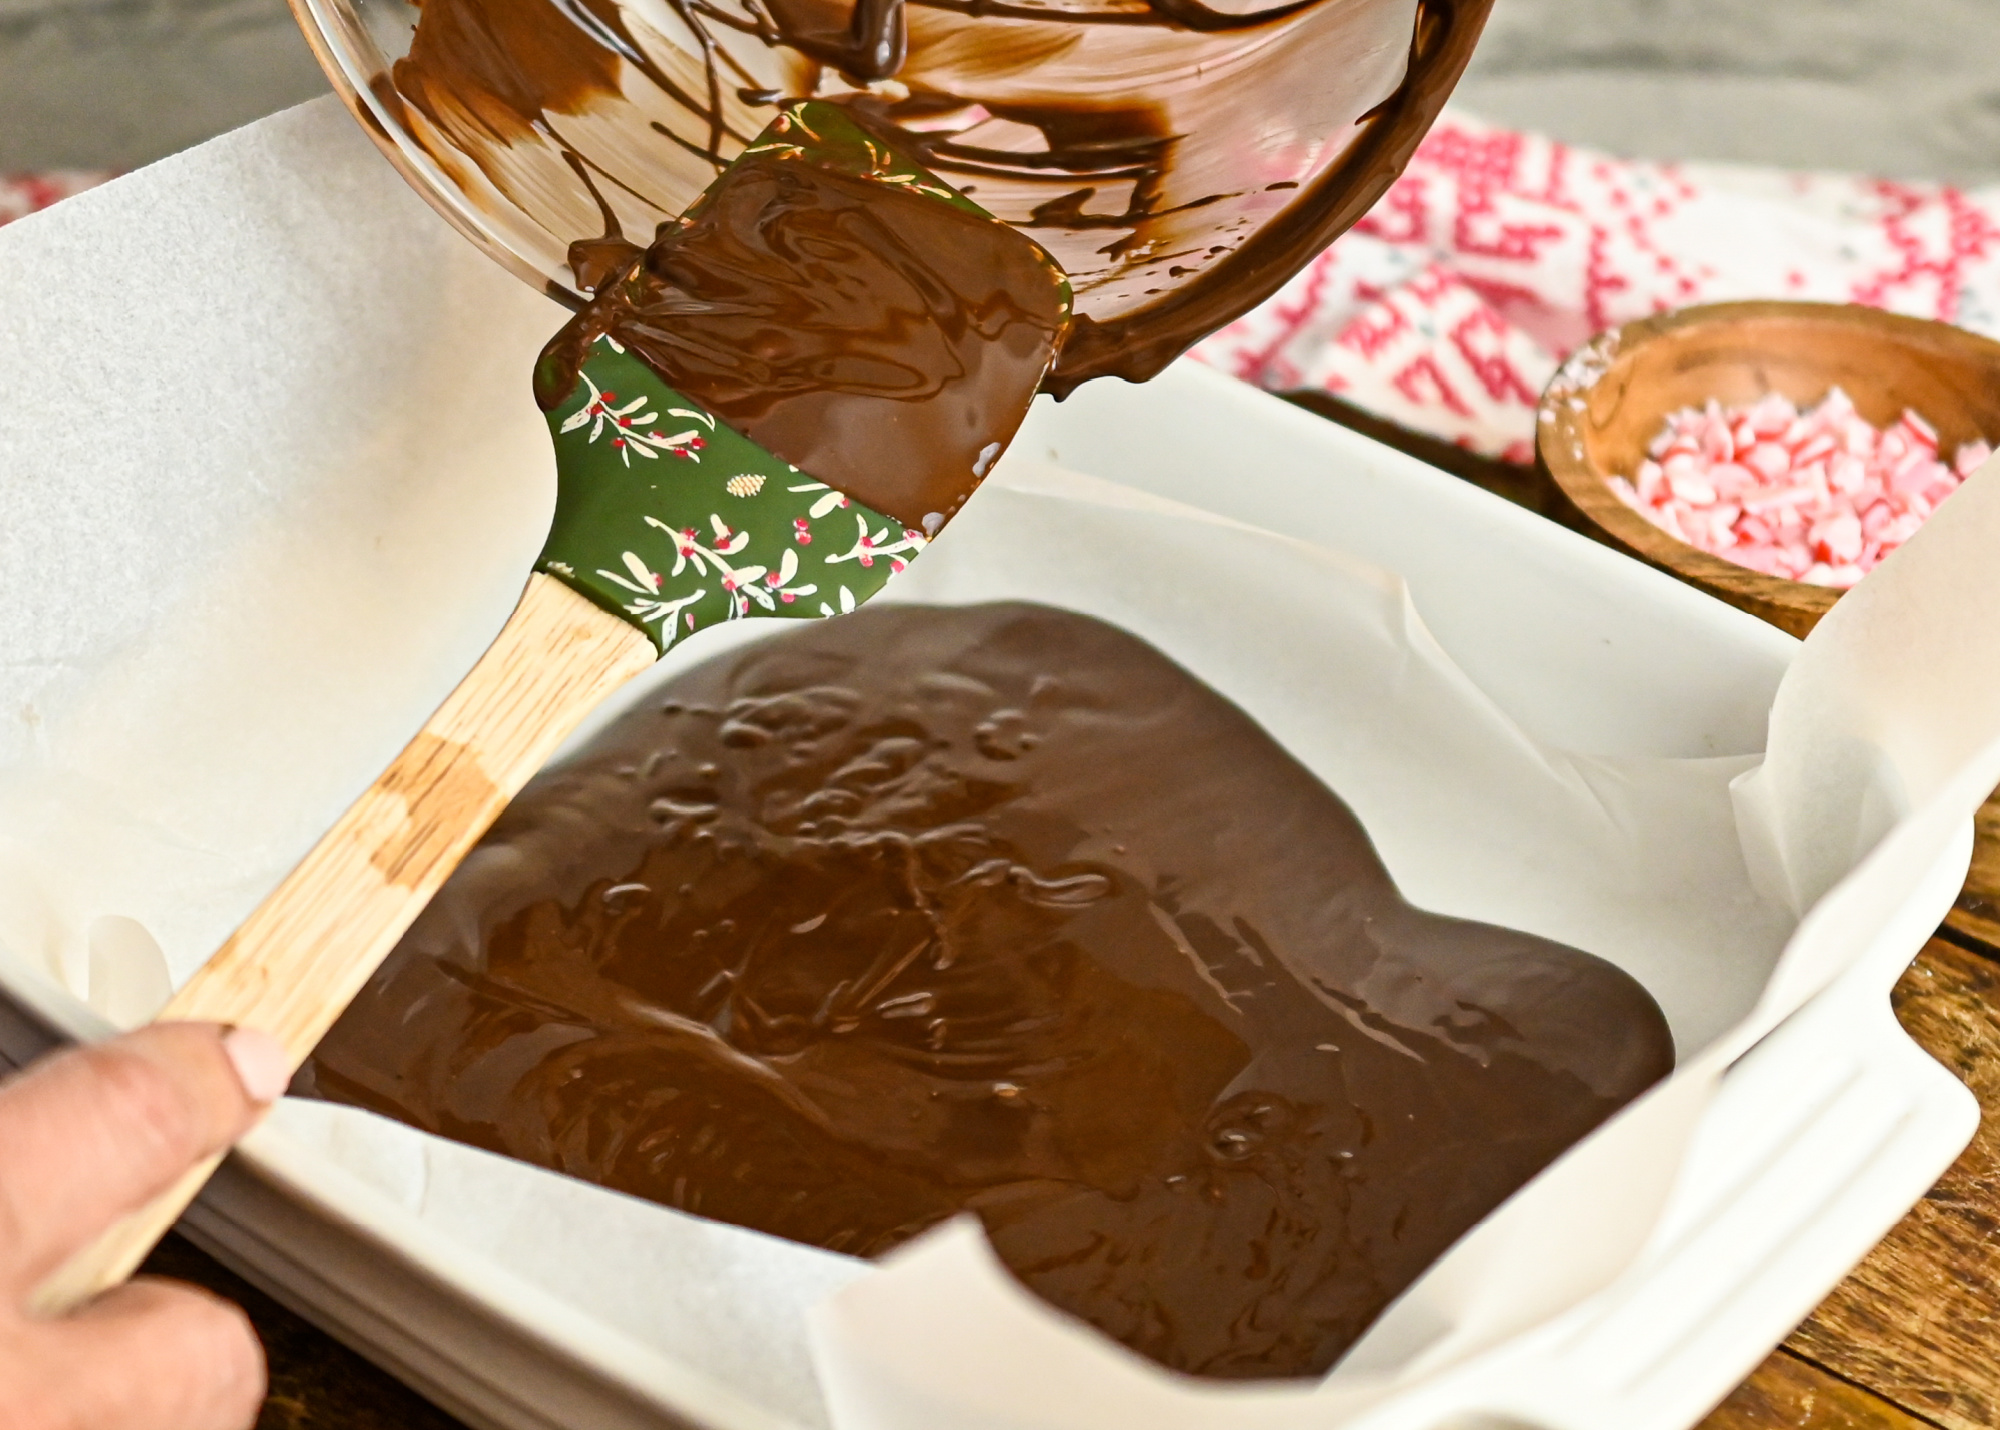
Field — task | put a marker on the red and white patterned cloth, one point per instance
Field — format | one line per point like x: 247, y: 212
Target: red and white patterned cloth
x: 1449, y: 307
x: 23, y: 194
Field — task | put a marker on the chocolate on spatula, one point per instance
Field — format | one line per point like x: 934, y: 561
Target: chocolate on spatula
x: 996, y: 909
x: 867, y: 327
x: 773, y: 408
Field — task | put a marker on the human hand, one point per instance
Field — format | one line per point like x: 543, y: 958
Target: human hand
x: 87, y: 1135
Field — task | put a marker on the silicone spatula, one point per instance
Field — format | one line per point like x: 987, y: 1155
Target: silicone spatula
x: 668, y: 519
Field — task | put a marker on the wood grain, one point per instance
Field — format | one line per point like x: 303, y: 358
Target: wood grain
x: 1919, y: 1320
x: 302, y: 955
x: 1977, y: 913
x: 1737, y: 353
x: 1787, y: 1393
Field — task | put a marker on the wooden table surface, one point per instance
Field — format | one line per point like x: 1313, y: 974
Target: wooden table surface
x: 1911, y: 1339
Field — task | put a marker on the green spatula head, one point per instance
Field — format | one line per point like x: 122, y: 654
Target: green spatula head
x: 774, y: 408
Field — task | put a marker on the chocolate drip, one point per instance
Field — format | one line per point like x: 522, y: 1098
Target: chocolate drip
x: 885, y: 342
x: 871, y: 45
x: 1139, y: 345
x: 1176, y: 200
x: 595, y: 261
x: 995, y: 909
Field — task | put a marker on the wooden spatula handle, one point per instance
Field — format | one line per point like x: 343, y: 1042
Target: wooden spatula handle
x: 300, y: 958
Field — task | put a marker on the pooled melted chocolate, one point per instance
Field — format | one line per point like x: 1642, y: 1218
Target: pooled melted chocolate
x: 995, y: 909
x: 886, y: 342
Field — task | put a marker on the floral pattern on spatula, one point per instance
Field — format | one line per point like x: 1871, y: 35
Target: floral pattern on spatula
x: 634, y: 434
x: 676, y: 521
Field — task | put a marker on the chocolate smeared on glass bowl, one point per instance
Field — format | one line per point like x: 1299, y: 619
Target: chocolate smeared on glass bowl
x: 1179, y: 160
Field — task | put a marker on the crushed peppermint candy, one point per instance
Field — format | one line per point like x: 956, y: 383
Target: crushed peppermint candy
x: 1819, y: 496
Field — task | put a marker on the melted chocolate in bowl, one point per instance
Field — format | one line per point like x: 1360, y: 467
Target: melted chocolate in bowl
x: 884, y: 341
x: 995, y: 909
x: 1180, y: 160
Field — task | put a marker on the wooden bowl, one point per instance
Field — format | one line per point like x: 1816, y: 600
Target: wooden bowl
x: 1605, y: 406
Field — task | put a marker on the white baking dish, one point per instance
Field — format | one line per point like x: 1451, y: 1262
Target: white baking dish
x: 1821, y: 1136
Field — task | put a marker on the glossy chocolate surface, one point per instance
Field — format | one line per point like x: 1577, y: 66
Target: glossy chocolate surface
x: 885, y: 342
x: 995, y: 909
x: 1179, y: 159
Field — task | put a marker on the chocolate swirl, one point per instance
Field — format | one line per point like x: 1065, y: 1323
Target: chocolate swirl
x: 880, y: 338
x: 1180, y: 160
x: 995, y: 909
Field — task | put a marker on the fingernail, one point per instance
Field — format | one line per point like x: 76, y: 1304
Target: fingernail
x: 261, y: 1063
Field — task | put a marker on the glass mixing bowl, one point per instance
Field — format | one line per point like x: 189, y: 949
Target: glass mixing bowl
x: 1181, y: 159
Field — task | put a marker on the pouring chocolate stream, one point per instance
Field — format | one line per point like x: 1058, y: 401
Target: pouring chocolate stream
x: 828, y: 309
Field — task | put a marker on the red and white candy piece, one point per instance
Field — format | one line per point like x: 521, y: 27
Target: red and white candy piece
x: 1818, y: 496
